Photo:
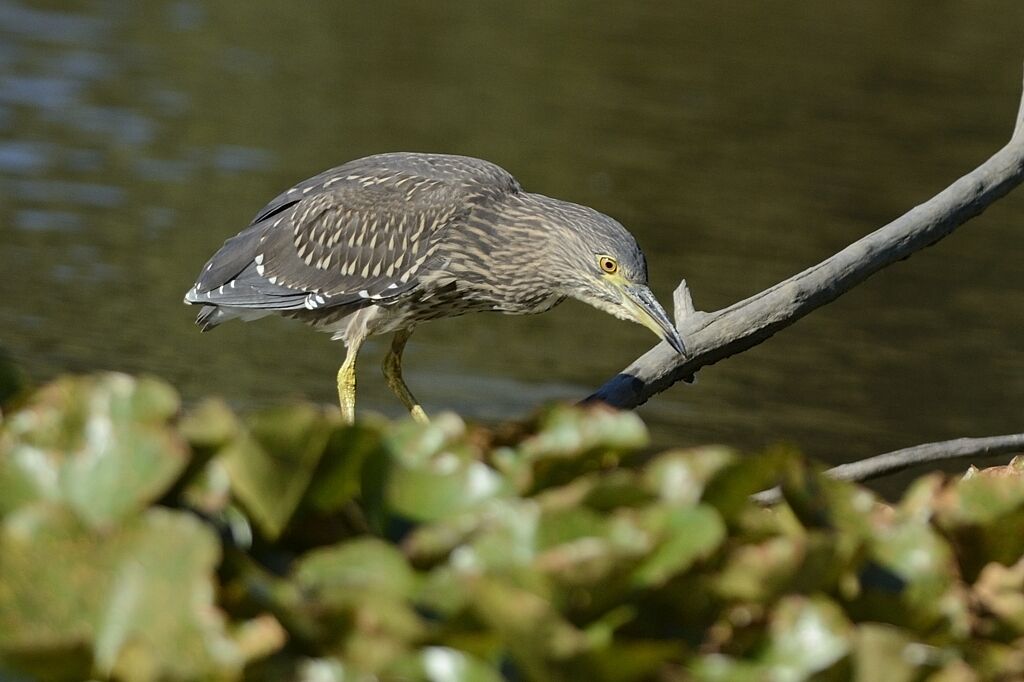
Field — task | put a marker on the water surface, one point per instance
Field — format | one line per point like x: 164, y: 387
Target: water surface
x: 740, y: 143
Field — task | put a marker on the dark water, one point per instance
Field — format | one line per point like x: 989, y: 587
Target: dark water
x: 740, y: 142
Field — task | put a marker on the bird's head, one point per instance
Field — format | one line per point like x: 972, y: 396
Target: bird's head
x: 602, y: 265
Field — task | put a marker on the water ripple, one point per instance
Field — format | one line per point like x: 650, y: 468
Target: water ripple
x: 39, y: 220
x: 63, y: 27
x: 24, y: 157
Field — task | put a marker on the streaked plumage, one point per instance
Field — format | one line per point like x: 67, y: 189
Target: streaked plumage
x: 383, y: 243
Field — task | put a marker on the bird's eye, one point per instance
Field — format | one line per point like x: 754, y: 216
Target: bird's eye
x: 608, y: 264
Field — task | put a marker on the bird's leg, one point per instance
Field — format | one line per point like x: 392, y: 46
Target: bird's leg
x: 393, y: 375
x: 347, y: 382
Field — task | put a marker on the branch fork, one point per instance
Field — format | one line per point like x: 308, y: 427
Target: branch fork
x: 714, y: 336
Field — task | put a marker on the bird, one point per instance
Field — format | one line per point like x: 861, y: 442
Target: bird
x: 384, y: 243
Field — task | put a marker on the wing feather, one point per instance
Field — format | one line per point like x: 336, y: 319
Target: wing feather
x: 367, y: 230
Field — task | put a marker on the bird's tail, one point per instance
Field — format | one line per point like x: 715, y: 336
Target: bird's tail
x: 209, y: 317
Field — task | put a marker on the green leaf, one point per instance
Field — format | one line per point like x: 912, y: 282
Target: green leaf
x: 361, y: 566
x: 210, y: 425
x: 680, y: 476
x: 573, y: 546
x: 271, y: 466
x: 442, y: 664
x: 353, y: 599
x: 100, y: 445
x: 414, y: 444
x: 807, y: 635
x: 138, y: 602
x: 911, y: 550
x: 883, y: 652
x: 687, y: 535
x: 1001, y: 590
x: 567, y: 432
x: 338, y: 479
x: 758, y: 571
x: 984, y: 516
x: 983, y: 500
x: 528, y: 624
x: 442, y: 485
x: 731, y: 486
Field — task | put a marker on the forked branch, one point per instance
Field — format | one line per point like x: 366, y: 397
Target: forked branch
x: 711, y: 337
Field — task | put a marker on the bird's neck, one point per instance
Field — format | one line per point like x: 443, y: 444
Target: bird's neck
x: 501, y: 254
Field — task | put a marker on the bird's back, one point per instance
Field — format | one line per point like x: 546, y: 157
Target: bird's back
x: 362, y: 233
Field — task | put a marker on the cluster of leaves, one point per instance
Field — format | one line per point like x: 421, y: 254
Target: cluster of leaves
x: 138, y: 542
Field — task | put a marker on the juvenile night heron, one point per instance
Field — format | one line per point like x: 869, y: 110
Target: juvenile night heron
x: 383, y: 243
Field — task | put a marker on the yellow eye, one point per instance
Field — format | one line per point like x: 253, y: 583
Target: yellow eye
x: 608, y: 264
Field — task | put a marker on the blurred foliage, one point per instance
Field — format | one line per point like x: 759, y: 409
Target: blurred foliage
x: 139, y: 541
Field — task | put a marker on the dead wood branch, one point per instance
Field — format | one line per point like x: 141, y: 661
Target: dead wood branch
x: 900, y: 460
x: 713, y: 336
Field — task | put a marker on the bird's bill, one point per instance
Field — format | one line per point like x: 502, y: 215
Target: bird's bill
x: 647, y: 311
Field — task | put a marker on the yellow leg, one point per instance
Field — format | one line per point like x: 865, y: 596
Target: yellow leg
x: 347, y: 383
x: 393, y: 375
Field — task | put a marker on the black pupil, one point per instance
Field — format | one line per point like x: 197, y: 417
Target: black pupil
x: 609, y: 265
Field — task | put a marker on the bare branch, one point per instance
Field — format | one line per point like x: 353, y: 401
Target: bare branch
x: 1018, y: 130
x: 711, y: 337
x: 900, y: 460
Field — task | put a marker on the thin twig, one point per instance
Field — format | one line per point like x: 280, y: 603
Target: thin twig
x: 900, y: 460
x: 711, y: 337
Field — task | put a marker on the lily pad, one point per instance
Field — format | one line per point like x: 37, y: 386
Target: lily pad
x: 138, y: 602
x: 687, y: 535
x: 272, y: 465
x: 445, y: 485
x: 680, y: 476
x: 100, y: 445
x: 361, y: 566
x: 807, y: 635
x: 567, y: 432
